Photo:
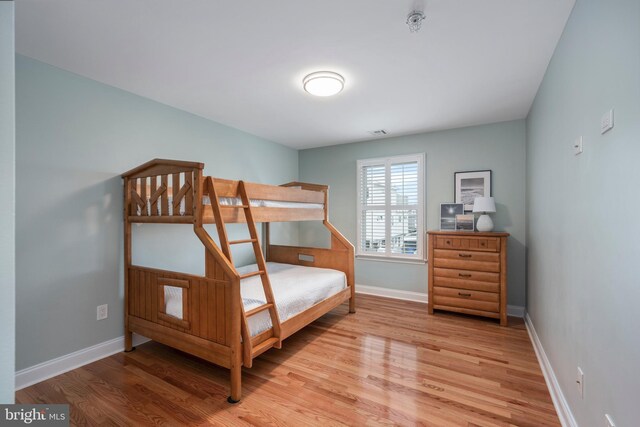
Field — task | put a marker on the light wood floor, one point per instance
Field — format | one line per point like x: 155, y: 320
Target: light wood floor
x: 388, y: 364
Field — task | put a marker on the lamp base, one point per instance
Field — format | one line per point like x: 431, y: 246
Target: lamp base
x: 484, y: 223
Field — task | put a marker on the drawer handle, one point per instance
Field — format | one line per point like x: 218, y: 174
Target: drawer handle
x: 464, y: 255
x: 464, y: 275
x: 448, y: 242
x: 462, y: 294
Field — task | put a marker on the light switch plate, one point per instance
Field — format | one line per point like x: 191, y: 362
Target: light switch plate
x: 580, y: 382
x: 577, y: 146
x: 606, y: 123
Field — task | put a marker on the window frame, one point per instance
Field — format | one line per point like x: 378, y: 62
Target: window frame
x: 419, y: 257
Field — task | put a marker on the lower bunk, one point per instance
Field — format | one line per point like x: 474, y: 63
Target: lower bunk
x: 203, y: 315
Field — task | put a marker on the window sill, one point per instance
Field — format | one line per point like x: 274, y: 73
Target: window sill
x: 398, y: 260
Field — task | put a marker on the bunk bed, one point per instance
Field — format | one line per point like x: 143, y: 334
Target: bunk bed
x: 232, y: 314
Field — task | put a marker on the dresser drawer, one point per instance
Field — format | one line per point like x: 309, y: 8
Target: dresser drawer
x: 488, y: 244
x: 466, y: 260
x: 464, y: 298
x: 465, y: 279
x: 477, y: 276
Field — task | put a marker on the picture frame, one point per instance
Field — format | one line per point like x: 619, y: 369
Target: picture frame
x: 465, y: 222
x: 471, y: 184
x: 448, y: 212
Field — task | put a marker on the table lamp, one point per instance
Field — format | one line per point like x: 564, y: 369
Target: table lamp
x: 484, y: 205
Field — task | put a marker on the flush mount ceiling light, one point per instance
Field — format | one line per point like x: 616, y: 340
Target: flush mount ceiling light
x: 323, y: 83
x: 414, y: 21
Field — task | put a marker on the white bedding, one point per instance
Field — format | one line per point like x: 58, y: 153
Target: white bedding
x: 235, y: 201
x: 295, y: 289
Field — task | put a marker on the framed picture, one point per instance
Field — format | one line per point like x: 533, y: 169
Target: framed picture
x: 448, y: 212
x: 472, y: 184
x: 465, y: 222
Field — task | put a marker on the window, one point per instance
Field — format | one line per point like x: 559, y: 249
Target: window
x: 391, y: 207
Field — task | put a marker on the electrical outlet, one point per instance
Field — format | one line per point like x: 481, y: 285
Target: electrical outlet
x: 609, y: 420
x: 103, y: 311
x: 580, y: 382
x: 606, y: 123
x: 577, y: 146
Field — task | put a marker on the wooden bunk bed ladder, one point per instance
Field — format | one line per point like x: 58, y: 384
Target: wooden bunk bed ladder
x: 251, y: 348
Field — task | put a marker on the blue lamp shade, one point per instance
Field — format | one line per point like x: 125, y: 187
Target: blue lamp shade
x: 484, y: 205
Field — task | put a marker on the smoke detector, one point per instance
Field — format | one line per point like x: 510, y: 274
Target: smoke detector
x: 414, y: 21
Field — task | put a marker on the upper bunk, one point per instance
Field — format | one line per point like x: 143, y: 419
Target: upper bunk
x: 173, y: 191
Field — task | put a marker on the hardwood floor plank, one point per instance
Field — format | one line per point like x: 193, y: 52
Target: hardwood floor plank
x: 388, y: 364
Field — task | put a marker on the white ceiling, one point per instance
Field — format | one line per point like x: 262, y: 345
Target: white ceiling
x: 241, y: 63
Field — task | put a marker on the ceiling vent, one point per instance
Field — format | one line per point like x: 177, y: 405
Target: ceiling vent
x: 379, y: 132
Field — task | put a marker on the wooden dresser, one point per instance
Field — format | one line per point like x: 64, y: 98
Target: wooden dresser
x: 468, y: 273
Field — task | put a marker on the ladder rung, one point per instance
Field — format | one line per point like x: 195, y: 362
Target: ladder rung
x: 258, y: 309
x: 237, y: 242
x: 255, y: 340
x: 235, y: 206
x: 253, y: 273
x: 264, y: 346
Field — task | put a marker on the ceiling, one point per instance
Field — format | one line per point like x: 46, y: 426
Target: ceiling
x: 241, y: 63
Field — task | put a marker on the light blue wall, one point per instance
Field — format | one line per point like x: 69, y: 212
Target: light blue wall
x: 74, y: 138
x: 499, y: 147
x: 7, y: 204
x: 583, y: 235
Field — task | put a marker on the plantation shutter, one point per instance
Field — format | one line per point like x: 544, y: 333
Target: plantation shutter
x: 390, y: 207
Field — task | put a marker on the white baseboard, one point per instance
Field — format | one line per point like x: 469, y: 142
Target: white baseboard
x: 60, y: 365
x: 512, y: 310
x: 562, y: 407
x: 391, y: 293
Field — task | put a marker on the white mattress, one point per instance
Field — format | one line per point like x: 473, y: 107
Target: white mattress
x: 236, y: 202
x: 295, y: 289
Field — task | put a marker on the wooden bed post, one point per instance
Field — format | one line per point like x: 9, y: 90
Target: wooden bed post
x: 128, y: 335
x: 236, y: 347
x: 267, y: 239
